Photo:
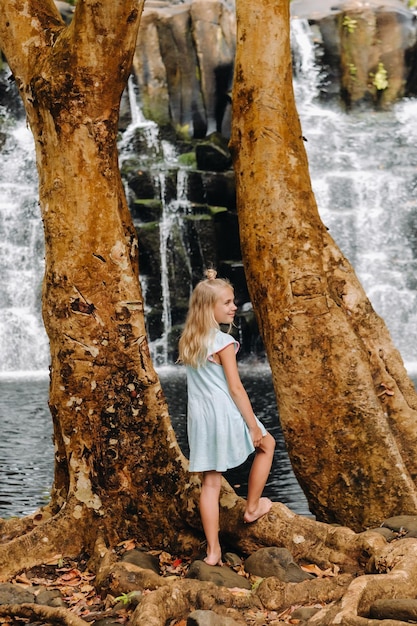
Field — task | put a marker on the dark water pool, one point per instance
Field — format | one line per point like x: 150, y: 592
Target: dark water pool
x: 26, y: 448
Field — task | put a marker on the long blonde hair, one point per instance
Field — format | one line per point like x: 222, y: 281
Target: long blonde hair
x: 200, y: 323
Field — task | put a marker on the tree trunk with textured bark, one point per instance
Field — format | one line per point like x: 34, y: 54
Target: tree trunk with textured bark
x: 117, y: 463
x: 347, y: 407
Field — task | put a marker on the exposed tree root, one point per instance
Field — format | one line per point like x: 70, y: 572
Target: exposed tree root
x: 346, y: 598
x: 391, y: 570
x: 178, y: 599
x: 396, y: 572
x: 55, y: 535
x: 306, y: 539
x: 278, y: 596
x: 16, y: 526
x: 49, y: 614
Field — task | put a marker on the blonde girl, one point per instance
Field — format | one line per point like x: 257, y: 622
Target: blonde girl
x: 222, y: 428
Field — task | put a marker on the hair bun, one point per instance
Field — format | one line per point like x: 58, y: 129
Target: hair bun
x: 210, y: 274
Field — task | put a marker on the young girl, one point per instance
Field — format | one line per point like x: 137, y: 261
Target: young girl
x: 222, y: 428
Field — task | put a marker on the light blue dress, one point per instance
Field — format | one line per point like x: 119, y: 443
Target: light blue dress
x: 218, y: 436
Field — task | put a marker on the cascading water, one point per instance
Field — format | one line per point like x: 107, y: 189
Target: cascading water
x: 170, y: 227
x: 363, y: 171
x: 23, y: 340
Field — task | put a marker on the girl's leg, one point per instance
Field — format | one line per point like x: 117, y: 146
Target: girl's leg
x: 256, y: 506
x: 209, y: 511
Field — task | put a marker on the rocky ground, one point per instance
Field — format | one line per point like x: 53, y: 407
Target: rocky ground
x: 64, y: 590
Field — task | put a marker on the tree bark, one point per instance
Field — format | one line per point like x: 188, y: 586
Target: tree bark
x: 346, y: 405
x: 117, y: 460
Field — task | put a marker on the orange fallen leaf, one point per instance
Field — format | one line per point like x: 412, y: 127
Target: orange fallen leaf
x: 312, y: 568
x: 128, y: 544
x: 22, y: 579
x: 73, y: 578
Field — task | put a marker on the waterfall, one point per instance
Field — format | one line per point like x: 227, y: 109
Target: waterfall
x: 363, y: 173
x: 171, y: 236
x: 305, y: 68
x: 23, y: 340
x: 363, y: 168
x: 148, y: 128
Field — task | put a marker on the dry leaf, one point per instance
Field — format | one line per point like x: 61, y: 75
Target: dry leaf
x: 128, y: 544
x: 165, y: 558
x: 54, y: 560
x: 312, y: 568
x: 22, y: 579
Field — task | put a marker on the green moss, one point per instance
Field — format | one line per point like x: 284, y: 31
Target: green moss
x: 150, y: 203
x: 183, y: 132
x: 380, y: 78
x: 188, y: 159
x: 353, y: 70
x: 349, y: 23
x: 197, y: 218
x: 215, y: 210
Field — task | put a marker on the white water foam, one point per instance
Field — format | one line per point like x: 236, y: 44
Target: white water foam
x: 23, y: 340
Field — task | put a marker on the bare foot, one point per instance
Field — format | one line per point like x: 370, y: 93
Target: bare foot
x: 262, y: 509
x: 214, y: 559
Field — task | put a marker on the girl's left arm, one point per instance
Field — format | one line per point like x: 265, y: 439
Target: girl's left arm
x: 228, y: 361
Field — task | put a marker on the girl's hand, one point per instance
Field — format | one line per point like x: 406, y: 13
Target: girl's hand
x: 256, y: 435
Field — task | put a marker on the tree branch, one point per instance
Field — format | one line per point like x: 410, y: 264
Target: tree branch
x: 97, y: 30
x: 25, y: 31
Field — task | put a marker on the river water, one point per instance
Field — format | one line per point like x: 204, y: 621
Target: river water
x: 26, y: 449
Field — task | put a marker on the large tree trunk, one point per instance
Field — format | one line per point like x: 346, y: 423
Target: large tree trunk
x: 347, y: 407
x: 117, y: 463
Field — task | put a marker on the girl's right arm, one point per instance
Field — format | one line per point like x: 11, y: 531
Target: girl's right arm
x: 238, y: 393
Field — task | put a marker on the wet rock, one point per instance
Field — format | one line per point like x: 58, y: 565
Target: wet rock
x: 14, y: 594
x: 213, y: 154
x: 220, y: 576
x: 209, y: 618
x: 184, y: 65
x: 404, y: 610
x: 184, y: 59
x: 142, y: 559
x: 275, y: 562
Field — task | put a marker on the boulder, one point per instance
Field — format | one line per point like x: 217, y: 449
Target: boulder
x: 220, y: 576
x: 276, y: 562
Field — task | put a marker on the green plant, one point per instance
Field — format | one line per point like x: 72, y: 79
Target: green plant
x: 380, y: 78
x: 124, y: 598
x: 349, y: 23
x: 353, y: 70
x: 412, y: 4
